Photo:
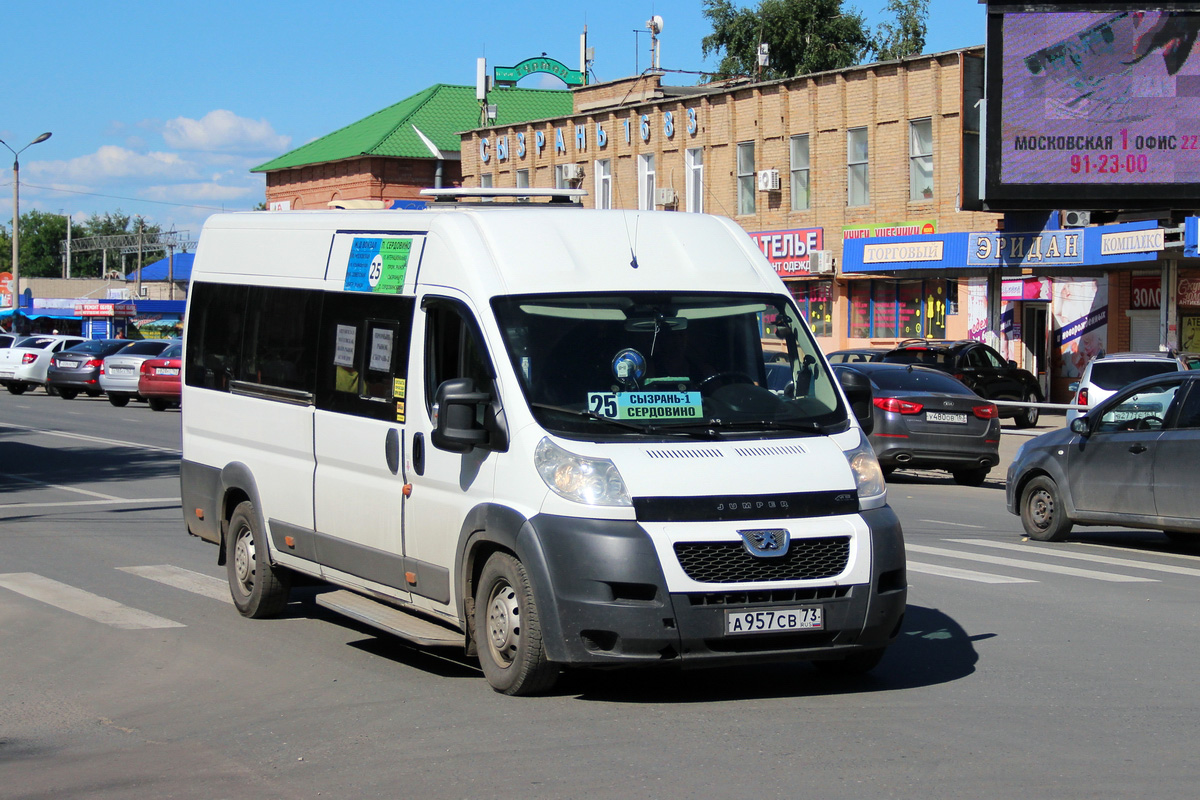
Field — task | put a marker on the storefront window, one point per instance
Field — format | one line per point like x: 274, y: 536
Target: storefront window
x: 887, y: 310
x: 815, y: 299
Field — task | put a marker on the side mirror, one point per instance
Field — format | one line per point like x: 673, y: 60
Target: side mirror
x: 1012, y: 363
x: 858, y: 391
x: 1080, y: 425
x: 457, y: 428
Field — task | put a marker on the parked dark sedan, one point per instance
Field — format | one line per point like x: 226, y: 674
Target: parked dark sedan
x: 77, y: 369
x: 979, y: 367
x: 924, y: 418
x: 1130, y: 461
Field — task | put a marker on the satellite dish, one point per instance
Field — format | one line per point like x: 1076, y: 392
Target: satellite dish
x: 655, y: 24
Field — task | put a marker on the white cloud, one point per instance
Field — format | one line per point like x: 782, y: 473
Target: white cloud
x: 198, y: 193
x: 113, y: 162
x: 224, y: 130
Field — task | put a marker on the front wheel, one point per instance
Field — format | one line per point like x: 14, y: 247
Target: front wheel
x: 507, y: 631
x: 258, y: 589
x: 119, y: 400
x: 1042, y: 512
x: 1028, y: 417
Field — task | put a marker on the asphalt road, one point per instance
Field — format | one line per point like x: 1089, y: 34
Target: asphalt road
x: 1024, y: 669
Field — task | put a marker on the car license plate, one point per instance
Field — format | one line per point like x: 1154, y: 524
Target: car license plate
x: 945, y: 416
x: 166, y: 371
x: 120, y: 368
x: 1129, y: 411
x: 68, y: 364
x: 802, y: 618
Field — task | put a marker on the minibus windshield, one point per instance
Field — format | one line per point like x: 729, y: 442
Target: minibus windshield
x: 668, y: 364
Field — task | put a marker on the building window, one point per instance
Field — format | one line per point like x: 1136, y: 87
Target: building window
x: 815, y: 299
x: 745, y: 177
x: 485, y: 182
x: 646, y: 185
x: 693, y: 162
x: 800, y: 196
x: 890, y: 310
x: 523, y: 183
x: 857, y: 178
x: 920, y: 160
x: 604, y: 183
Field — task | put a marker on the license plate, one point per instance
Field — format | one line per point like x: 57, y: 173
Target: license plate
x: 119, y: 368
x: 1130, y: 411
x: 69, y: 364
x: 166, y: 371
x: 802, y: 618
x: 945, y: 416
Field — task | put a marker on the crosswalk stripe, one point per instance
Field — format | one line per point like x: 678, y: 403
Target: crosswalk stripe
x: 963, y: 574
x: 185, y: 579
x: 1031, y: 565
x: 85, y: 604
x: 1096, y: 559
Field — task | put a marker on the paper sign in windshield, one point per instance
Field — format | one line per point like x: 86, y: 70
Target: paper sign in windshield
x: 377, y: 265
x: 646, y: 406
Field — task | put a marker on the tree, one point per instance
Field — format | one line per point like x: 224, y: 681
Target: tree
x: 907, y: 36
x: 43, y: 253
x: 803, y: 36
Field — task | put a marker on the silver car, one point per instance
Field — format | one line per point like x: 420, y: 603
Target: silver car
x: 1129, y: 462
x: 23, y: 365
x: 1105, y: 374
x: 120, y: 371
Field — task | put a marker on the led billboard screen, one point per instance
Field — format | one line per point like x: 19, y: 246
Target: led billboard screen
x: 1092, y: 108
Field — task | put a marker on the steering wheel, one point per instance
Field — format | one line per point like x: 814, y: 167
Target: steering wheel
x: 732, y: 376
x: 1150, y: 423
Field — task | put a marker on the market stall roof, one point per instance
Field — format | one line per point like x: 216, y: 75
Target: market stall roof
x: 158, y: 270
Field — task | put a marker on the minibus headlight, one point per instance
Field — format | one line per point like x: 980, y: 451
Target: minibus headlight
x: 868, y: 476
x: 593, y: 481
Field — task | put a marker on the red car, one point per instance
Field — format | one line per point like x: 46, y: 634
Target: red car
x: 159, y: 379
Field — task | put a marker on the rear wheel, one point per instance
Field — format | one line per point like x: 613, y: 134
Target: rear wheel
x: 1028, y: 417
x: 1042, y: 512
x: 258, y: 589
x: 119, y: 400
x: 157, y: 403
x: 971, y: 477
x: 68, y: 394
x: 508, y: 633
x: 15, y: 388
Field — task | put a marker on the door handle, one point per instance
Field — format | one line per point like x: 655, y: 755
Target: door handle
x: 391, y: 450
x: 418, y: 453
x: 1137, y: 448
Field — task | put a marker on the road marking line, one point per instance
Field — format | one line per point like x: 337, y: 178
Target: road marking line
x: 955, y: 524
x: 185, y: 579
x: 1033, y: 565
x: 116, y: 501
x: 86, y: 438
x: 85, y: 604
x: 963, y: 574
x: 1116, y: 562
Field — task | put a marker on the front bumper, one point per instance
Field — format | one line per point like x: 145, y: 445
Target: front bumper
x: 603, y: 601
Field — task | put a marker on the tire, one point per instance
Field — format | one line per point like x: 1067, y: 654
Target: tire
x: 508, y: 633
x: 15, y: 388
x: 157, y: 403
x: 68, y: 394
x: 856, y: 664
x: 1042, y: 511
x: 971, y: 477
x: 1028, y: 417
x: 259, y: 590
x: 51, y: 391
x: 119, y: 400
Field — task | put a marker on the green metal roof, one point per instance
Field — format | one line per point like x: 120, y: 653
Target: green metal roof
x: 441, y: 112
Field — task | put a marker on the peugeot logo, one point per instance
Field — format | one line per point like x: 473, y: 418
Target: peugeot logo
x: 766, y: 543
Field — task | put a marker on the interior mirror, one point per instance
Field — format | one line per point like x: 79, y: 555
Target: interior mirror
x: 858, y: 392
x: 458, y: 428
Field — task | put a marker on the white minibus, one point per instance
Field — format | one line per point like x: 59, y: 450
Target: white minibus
x: 547, y: 435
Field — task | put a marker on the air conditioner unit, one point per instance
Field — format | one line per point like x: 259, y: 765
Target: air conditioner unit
x: 820, y: 262
x: 572, y: 172
x: 768, y: 180
x: 665, y: 197
x: 1076, y: 219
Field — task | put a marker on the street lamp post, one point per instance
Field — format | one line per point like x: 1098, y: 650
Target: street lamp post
x: 16, y: 274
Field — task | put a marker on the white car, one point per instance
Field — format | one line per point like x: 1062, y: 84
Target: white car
x: 23, y: 366
x: 120, y: 372
x: 1105, y: 375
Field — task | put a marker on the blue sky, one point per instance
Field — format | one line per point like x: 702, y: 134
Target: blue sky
x: 161, y: 109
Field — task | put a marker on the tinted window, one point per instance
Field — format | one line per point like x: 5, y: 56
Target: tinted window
x: 916, y: 381
x: 1189, y: 413
x: 214, y: 335
x: 36, y: 342
x: 99, y: 347
x: 146, y: 348
x: 916, y: 355
x: 174, y: 351
x: 1112, y: 375
x: 363, y: 358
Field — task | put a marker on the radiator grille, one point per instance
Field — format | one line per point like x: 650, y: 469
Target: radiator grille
x: 728, y: 562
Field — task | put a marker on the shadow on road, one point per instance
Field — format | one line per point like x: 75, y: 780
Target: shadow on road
x: 88, y: 463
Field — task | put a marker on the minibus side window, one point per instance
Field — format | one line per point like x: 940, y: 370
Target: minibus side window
x: 452, y: 349
x: 279, y: 343
x: 214, y: 335
x: 363, y: 355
